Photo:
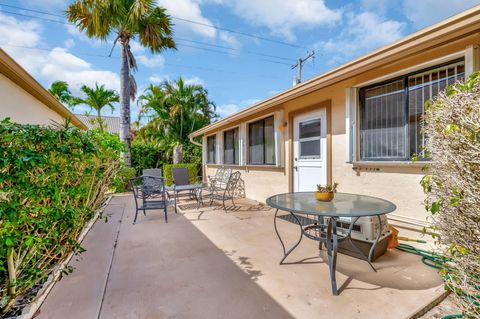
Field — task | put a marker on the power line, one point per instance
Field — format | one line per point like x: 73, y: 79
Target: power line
x: 166, y: 63
x: 185, y: 45
x: 184, y: 20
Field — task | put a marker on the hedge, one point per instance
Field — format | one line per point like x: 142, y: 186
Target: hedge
x: 192, y: 172
x: 52, y: 180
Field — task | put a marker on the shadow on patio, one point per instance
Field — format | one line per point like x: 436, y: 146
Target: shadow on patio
x: 206, y: 263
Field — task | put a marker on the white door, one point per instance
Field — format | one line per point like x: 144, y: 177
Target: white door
x: 309, y: 151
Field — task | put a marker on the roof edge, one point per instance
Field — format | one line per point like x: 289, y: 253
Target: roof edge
x: 348, y: 69
x: 17, y: 74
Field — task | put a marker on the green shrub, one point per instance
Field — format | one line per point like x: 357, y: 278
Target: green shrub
x: 452, y: 124
x: 52, y: 179
x: 121, y: 181
x: 167, y: 172
x: 145, y: 155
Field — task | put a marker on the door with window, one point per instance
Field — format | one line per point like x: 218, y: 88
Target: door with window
x: 309, y: 151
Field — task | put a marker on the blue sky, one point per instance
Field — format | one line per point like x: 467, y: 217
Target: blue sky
x: 237, y: 70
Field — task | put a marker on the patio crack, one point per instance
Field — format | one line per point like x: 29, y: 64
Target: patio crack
x: 111, y: 263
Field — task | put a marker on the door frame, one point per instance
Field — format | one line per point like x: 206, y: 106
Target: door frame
x: 328, y: 110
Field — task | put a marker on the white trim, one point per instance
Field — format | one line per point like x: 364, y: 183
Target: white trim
x: 204, y: 150
x: 278, y: 119
x: 243, y: 144
x: 351, y: 107
x: 412, y: 69
x: 472, y: 59
x: 239, y: 143
x: 219, y: 148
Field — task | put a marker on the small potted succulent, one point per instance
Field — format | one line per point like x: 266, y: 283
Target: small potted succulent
x: 325, y: 193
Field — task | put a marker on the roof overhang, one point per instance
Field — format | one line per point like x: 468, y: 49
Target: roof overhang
x: 13, y: 71
x: 446, y: 31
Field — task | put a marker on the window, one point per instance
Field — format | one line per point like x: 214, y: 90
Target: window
x: 230, y: 150
x: 261, y: 143
x: 309, y: 139
x: 391, y: 113
x: 211, y: 144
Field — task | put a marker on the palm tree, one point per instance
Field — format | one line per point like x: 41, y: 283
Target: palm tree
x: 60, y: 90
x: 97, y: 98
x: 126, y: 19
x: 176, y: 109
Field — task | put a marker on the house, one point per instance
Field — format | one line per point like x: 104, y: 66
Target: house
x: 24, y: 100
x: 110, y: 124
x: 358, y: 124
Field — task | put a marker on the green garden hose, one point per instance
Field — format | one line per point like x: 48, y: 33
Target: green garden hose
x: 429, y: 258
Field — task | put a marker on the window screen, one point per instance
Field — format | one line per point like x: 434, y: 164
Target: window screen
x: 309, y: 139
x: 261, y: 142
x: 230, y: 142
x: 211, y: 144
x: 391, y: 113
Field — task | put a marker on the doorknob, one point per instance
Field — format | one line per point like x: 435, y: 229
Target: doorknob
x: 296, y: 159
x: 296, y: 168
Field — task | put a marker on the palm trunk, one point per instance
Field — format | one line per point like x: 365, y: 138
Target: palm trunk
x: 125, y: 105
x: 100, y: 121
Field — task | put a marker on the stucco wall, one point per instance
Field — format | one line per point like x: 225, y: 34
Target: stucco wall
x: 398, y: 183
x: 22, y: 107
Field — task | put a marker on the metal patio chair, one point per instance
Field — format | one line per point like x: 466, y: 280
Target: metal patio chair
x: 220, y: 179
x: 223, y: 194
x: 181, y: 183
x: 155, y: 172
x: 149, y: 193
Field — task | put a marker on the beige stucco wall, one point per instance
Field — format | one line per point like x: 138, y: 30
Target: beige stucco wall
x: 22, y: 107
x: 397, y: 183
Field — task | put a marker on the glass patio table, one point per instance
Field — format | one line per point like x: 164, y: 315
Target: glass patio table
x: 317, y: 220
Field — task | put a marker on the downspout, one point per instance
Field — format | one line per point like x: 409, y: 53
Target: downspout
x: 190, y: 137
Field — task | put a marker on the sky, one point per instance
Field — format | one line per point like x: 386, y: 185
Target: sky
x: 241, y: 51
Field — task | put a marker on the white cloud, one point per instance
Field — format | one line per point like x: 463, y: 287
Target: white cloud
x: 225, y: 110
x: 427, y: 12
x: 361, y: 33
x: 190, y: 10
x: 283, y: 17
x: 64, y: 66
x: 153, y: 61
x: 69, y: 43
x: 74, y: 32
x: 194, y: 80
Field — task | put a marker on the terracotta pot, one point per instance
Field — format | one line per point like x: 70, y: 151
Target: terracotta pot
x: 324, y: 197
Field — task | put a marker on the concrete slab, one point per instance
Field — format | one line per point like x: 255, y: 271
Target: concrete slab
x: 210, y: 264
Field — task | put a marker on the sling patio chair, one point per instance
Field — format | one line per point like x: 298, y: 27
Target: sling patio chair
x: 223, y: 194
x: 155, y: 172
x: 149, y: 193
x: 181, y: 183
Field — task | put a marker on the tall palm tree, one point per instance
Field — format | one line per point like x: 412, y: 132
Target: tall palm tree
x: 60, y: 90
x: 98, y: 98
x: 126, y: 19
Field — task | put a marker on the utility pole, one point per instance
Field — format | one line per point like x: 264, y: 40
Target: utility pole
x: 299, y: 66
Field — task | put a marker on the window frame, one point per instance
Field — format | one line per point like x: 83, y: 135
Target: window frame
x: 404, y: 77
x: 248, y: 153
x: 214, y: 136
x: 238, y: 144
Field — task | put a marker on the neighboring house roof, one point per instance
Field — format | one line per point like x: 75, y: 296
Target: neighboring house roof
x: 13, y: 71
x: 110, y: 123
x: 451, y: 29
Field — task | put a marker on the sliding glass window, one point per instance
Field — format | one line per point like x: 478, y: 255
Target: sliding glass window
x: 261, y: 142
x: 211, y: 145
x: 391, y: 113
x: 230, y: 149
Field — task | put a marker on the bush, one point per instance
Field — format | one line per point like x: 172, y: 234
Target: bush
x: 145, y: 155
x: 167, y: 172
x: 452, y: 124
x: 121, y: 181
x: 52, y: 180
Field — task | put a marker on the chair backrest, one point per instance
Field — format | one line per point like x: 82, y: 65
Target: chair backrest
x: 180, y: 176
x: 155, y: 172
x: 222, y: 175
x: 145, y: 187
x: 232, y: 184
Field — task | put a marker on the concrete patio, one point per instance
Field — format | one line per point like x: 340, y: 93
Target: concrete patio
x: 209, y: 264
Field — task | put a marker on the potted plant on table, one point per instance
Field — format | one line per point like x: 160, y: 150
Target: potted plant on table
x: 325, y: 193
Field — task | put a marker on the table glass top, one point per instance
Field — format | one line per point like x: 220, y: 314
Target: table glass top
x: 347, y: 205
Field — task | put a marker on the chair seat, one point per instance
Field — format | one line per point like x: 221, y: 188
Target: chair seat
x: 153, y: 204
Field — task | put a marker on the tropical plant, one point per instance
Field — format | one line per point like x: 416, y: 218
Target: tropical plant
x: 127, y: 19
x: 61, y: 91
x: 52, y: 181
x: 97, y: 98
x: 327, y: 188
x: 175, y: 110
x: 452, y: 125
